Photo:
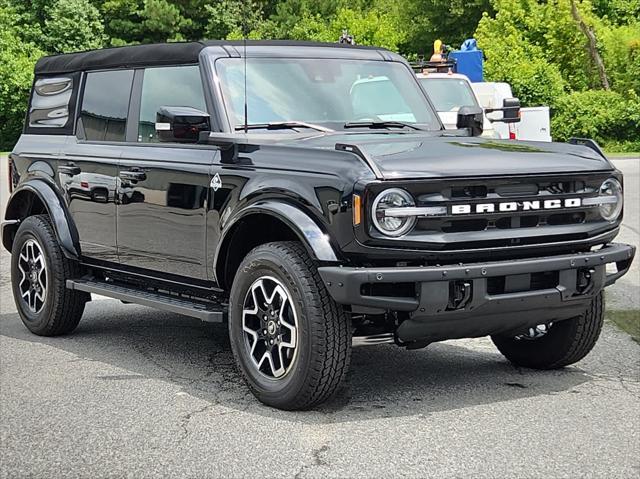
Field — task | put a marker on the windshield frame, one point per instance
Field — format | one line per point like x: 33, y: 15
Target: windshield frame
x: 224, y: 115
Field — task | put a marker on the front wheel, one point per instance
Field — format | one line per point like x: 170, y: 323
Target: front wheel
x: 557, y: 345
x: 291, y: 341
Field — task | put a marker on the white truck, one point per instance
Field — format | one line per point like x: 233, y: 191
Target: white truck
x: 535, y: 123
x: 450, y: 91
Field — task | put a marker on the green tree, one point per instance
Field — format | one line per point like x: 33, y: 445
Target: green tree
x: 29, y: 15
x: 162, y: 21
x: 606, y: 116
x: 147, y: 21
x: 72, y: 25
x: 17, y: 60
x: 424, y: 21
x: 122, y: 21
x: 368, y: 26
x: 621, y: 54
x: 620, y: 12
x: 233, y: 17
x: 511, y: 43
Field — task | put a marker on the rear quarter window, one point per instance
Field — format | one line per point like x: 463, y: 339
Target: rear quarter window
x: 52, y: 104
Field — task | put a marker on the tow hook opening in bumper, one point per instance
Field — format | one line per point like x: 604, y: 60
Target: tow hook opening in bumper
x: 584, y: 280
x: 459, y: 294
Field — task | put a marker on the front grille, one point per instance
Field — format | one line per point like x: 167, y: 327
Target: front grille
x: 511, y: 221
x: 472, y: 225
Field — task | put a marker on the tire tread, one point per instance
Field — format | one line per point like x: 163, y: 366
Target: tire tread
x: 68, y: 306
x: 570, y: 342
x: 331, y: 340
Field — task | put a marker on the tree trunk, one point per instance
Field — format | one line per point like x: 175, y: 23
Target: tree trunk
x: 592, y: 46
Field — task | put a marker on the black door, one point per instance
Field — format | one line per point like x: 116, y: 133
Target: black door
x: 88, y: 167
x: 164, y: 187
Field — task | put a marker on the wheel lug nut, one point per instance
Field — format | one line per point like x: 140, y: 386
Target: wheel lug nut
x: 264, y: 331
x: 271, y: 342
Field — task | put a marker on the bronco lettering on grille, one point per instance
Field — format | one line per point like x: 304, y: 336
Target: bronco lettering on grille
x: 509, y: 206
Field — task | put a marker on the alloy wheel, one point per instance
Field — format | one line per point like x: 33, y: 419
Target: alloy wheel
x: 33, y: 268
x: 270, y: 327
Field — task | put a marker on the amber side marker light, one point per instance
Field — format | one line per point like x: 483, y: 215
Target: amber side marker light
x: 357, y: 210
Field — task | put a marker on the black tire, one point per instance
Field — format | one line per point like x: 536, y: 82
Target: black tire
x: 323, y: 350
x: 60, y: 309
x: 565, y: 343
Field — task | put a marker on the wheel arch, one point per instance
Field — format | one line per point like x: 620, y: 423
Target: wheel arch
x: 38, y: 197
x: 275, y: 221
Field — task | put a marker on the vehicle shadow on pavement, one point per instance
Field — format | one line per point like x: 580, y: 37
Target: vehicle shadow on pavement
x: 384, y: 381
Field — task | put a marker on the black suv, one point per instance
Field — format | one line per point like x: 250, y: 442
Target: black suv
x: 308, y: 195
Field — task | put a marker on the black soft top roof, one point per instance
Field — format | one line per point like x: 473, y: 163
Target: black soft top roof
x: 155, y: 54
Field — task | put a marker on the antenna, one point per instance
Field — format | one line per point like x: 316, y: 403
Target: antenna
x: 244, y: 47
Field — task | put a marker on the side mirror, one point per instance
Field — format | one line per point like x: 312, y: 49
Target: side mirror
x: 181, y: 124
x: 470, y: 117
x: 510, y: 111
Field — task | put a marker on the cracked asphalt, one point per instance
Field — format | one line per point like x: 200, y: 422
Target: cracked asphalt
x: 140, y: 393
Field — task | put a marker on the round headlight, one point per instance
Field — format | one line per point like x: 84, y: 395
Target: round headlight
x: 611, y: 195
x: 392, y: 225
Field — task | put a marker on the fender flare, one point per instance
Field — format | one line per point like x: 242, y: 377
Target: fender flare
x: 65, y: 230
x: 316, y: 241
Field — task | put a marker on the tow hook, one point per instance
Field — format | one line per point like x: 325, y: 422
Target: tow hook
x: 584, y: 281
x: 459, y: 294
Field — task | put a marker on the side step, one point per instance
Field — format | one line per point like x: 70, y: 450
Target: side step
x: 204, y: 310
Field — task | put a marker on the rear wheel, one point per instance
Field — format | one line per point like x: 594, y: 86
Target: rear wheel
x: 291, y: 341
x: 557, y: 345
x: 39, y: 271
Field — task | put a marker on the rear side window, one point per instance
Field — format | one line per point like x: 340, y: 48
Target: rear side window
x: 168, y: 86
x: 105, y: 105
x: 50, y: 102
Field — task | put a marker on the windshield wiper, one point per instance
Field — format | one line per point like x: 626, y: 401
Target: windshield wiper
x: 380, y: 124
x: 282, y: 125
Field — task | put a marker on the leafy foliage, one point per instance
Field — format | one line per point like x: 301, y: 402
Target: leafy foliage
x: 72, y: 25
x: 621, y: 45
x: 16, y: 70
x: 606, y: 116
x: 424, y: 21
x: 372, y: 27
x: 538, y: 47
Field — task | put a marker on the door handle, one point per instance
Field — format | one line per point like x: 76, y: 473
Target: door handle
x: 70, y: 169
x: 133, y: 175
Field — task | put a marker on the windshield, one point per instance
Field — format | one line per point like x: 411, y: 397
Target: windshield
x: 448, y: 94
x: 325, y: 92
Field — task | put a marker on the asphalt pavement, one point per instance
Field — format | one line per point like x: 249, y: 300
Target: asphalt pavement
x: 140, y: 393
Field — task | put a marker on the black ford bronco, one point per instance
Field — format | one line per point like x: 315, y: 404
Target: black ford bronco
x: 308, y: 195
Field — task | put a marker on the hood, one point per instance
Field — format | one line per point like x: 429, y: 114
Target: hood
x: 417, y: 155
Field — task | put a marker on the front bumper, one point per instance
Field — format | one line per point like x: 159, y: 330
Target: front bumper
x: 470, y: 300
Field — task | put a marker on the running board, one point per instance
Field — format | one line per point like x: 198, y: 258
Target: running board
x: 206, y: 311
